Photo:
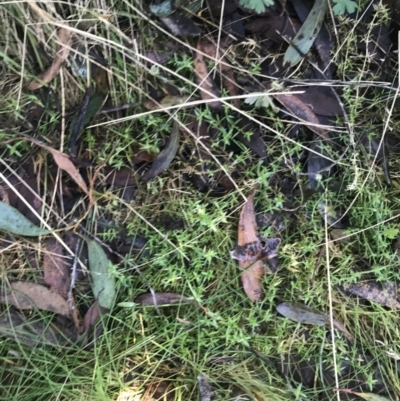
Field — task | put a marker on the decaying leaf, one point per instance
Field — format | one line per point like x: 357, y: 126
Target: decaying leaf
x: 303, y: 112
x: 384, y: 293
x: 304, y: 314
x: 33, y: 332
x: 250, y: 251
x: 205, y: 390
x: 180, y: 25
x: 162, y: 298
x: 205, y: 81
x: 63, y: 162
x: 164, y: 159
x: 25, y: 295
x: 305, y: 37
x: 103, y: 283
x: 63, y: 48
x: 12, y: 221
x: 56, y: 268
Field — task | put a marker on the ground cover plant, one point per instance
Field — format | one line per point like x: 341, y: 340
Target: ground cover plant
x: 199, y: 200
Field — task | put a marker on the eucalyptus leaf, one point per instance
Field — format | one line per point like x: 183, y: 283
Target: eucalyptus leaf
x: 304, y: 314
x: 103, y: 283
x: 307, y: 34
x: 12, y: 221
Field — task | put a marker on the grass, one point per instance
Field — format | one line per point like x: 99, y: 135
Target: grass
x: 140, y: 350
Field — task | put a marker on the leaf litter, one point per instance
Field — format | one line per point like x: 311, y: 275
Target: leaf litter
x: 314, y: 110
x: 25, y: 295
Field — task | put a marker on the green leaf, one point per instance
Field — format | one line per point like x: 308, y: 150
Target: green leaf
x: 391, y: 233
x: 259, y: 6
x: 305, y: 38
x: 12, y: 221
x: 103, y: 283
x: 341, y: 6
x: 261, y: 101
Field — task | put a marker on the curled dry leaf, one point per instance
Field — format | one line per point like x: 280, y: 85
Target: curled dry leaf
x: 56, y: 268
x: 208, y: 89
x: 250, y: 251
x: 63, y: 47
x: 26, y: 295
x: 65, y: 164
x: 304, y: 314
x: 164, y: 159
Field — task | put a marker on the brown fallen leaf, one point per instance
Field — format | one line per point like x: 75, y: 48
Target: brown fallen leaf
x: 321, y: 100
x: 250, y: 251
x: 205, y: 81
x: 303, y: 113
x: 384, y: 293
x: 26, y: 295
x: 56, y: 268
x: 63, y: 47
x: 64, y: 162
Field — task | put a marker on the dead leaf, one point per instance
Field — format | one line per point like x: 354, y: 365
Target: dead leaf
x: 205, y: 81
x: 143, y: 156
x: 33, y: 332
x: 63, y: 47
x: 301, y: 313
x: 120, y: 178
x: 383, y: 293
x: 250, y: 251
x: 274, y: 27
x: 164, y: 159
x: 25, y: 295
x: 180, y: 25
x: 65, y: 164
x: 321, y: 101
x: 303, y: 113
x: 205, y: 390
x: 162, y: 298
x: 56, y: 269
